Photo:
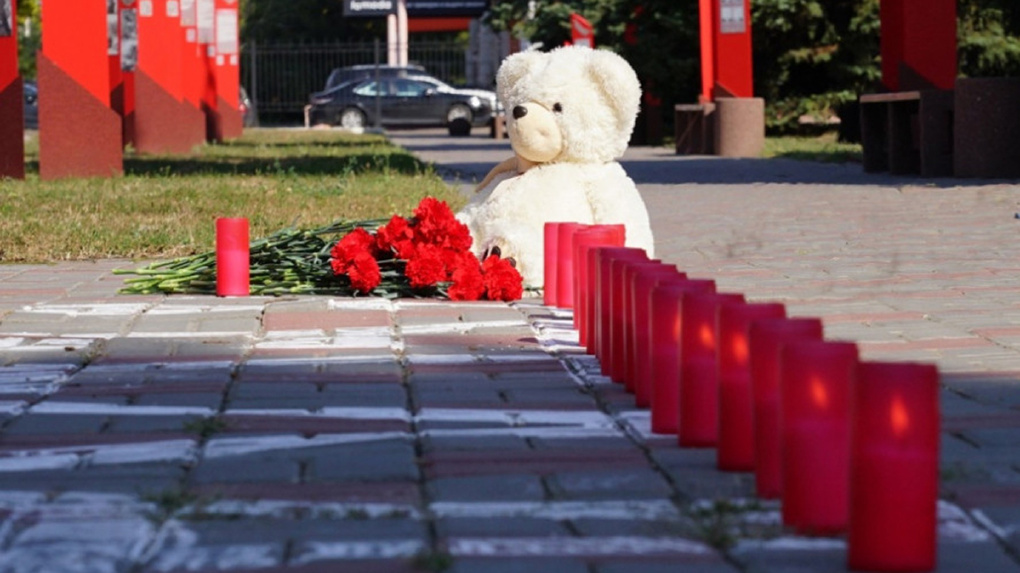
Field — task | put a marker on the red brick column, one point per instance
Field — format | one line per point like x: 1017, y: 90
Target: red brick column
x: 12, y: 107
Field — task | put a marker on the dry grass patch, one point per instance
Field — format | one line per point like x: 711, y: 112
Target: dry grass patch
x: 165, y: 206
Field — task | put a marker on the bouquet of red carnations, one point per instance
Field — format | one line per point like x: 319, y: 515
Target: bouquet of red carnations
x: 427, y: 255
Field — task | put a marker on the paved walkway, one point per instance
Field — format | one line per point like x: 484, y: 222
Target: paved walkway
x: 149, y: 433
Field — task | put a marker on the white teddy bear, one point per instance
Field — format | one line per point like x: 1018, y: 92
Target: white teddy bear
x: 570, y: 113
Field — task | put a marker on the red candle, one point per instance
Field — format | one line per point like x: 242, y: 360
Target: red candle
x: 699, y: 382
x: 565, y: 263
x: 619, y: 311
x: 641, y: 344
x: 584, y: 240
x: 814, y: 421
x: 665, y: 346
x: 736, y: 412
x: 608, y: 257
x: 232, y: 264
x: 767, y: 337
x: 551, y: 253
x: 894, y: 446
x: 631, y: 321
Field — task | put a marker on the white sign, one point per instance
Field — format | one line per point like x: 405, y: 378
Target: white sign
x: 188, y: 16
x: 731, y: 17
x: 145, y: 9
x: 112, y: 31
x: 173, y: 9
x: 206, y: 21
x: 129, y: 39
x: 226, y: 31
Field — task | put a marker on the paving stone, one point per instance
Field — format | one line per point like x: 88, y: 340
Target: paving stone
x: 472, y: 443
x: 384, y: 460
x: 518, y: 565
x: 153, y: 424
x: 257, y: 469
x: 504, y: 487
x: 57, y: 424
x: 505, y: 527
x: 609, y: 484
x: 666, y: 566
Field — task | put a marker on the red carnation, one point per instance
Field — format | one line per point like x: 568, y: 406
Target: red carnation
x: 467, y: 279
x: 364, y: 273
x: 501, y: 279
x: 426, y: 267
x: 396, y: 237
x: 433, y: 218
x: 351, y: 245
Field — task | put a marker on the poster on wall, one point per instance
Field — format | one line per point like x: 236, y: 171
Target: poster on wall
x: 112, y: 33
x: 226, y: 31
x: 189, y: 19
x: 731, y: 17
x: 129, y: 39
x: 206, y: 21
x: 6, y: 19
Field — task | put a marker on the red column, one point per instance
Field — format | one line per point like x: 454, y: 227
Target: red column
x: 12, y: 107
x: 228, y: 69
x: 918, y: 43
x: 164, y: 121
x: 706, y: 18
x: 725, y: 49
x: 128, y: 65
x: 732, y: 27
x: 79, y: 135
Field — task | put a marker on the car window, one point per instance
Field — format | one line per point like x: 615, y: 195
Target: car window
x: 410, y: 88
x: 371, y: 88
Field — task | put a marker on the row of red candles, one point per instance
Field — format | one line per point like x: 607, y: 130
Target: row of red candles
x: 847, y: 445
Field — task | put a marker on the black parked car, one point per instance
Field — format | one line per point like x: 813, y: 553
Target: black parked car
x: 31, y: 105
x: 343, y: 75
x: 413, y: 100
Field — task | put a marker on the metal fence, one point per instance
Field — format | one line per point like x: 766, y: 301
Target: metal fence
x: 279, y: 77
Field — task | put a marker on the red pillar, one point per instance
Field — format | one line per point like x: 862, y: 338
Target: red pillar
x: 12, y: 107
x: 918, y: 43
x: 726, y: 69
x: 228, y: 69
x: 122, y: 68
x: 79, y: 135
x: 164, y: 121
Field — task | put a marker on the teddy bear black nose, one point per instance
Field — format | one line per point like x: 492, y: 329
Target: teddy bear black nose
x: 520, y: 111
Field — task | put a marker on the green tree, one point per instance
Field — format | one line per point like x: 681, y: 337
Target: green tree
x: 813, y: 56
x: 988, y: 40
x: 305, y: 21
x: 30, y: 40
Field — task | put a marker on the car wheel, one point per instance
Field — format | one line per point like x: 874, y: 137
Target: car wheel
x: 352, y: 118
x: 458, y: 120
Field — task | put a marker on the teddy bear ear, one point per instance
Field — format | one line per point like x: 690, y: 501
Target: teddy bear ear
x: 514, y: 68
x: 618, y: 83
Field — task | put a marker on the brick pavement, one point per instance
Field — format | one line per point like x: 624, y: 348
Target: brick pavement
x: 149, y: 433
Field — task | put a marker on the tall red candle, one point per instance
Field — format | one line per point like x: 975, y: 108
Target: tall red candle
x: 565, y: 263
x: 736, y: 412
x: 551, y: 253
x: 609, y: 257
x: 699, y: 382
x: 630, y: 322
x: 619, y: 311
x: 894, y: 447
x: 584, y: 240
x: 665, y: 347
x: 641, y: 314
x: 767, y: 337
x: 232, y: 263
x: 814, y: 421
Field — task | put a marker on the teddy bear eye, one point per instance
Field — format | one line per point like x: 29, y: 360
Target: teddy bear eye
x: 557, y: 107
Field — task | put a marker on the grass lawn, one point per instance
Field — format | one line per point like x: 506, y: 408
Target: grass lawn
x: 824, y: 148
x: 166, y: 206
